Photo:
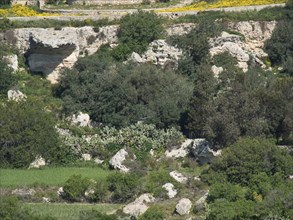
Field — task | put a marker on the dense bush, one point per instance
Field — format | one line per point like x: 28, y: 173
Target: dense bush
x: 136, y: 32
x: 119, y: 95
x: 26, y: 131
x: 124, y: 187
x: 75, y: 187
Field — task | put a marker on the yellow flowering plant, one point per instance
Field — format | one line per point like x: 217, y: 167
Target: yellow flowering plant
x: 202, y: 5
x: 21, y: 11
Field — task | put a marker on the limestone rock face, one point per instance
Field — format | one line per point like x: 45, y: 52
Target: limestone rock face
x: 117, y: 160
x: 16, y: 95
x: 202, y: 151
x: 49, y: 51
x: 12, y: 61
x: 81, y: 119
x: 179, y: 177
x: 183, y: 207
x: 138, y: 207
x: 38, y: 162
x: 180, y: 152
x: 171, y: 191
x: 159, y: 53
x: 180, y: 29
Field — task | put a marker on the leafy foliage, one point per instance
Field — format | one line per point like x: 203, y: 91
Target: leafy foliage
x: 27, y: 131
x: 95, y: 215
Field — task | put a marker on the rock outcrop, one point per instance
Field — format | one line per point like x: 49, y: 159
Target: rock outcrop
x: 183, y: 207
x: 81, y: 119
x: 171, y: 191
x: 139, y: 206
x: 12, y: 61
x: 16, y: 95
x: 38, y: 162
x: 182, y: 151
x: 202, y: 151
x: 159, y: 53
x: 117, y: 160
x: 179, y: 177
x: 49, y: 50
x: 180, y: 29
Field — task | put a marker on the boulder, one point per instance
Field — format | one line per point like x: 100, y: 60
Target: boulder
x: 217, y: 70
x: 16, y: 95
x: 138, y: 207
x: 86, y: 157
x: 12, y: 61
x: 171, y: 191
x: 179, y: 177
x: 60, y: 192
x: 201, y: 202
x: 98, y: 160
x: 117, y: 160
x: 23, y: 192
x: 46, y: 200
x: 180, y: 29
x: 182, y: 151
x: 202, y: 151
x: 183, y: 206
x: 81, y: 119
x: 38, y: 162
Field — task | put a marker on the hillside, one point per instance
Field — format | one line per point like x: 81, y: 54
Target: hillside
x: 183, y: 112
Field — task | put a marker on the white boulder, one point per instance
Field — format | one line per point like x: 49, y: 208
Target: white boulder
x: 16, y: 95
x: 171, y: 191
x: 117, y: 160
x: 180, y: 152
x: 12, y: 61
x: 86, y: 157
x: 60, y: 191
x: 98, y: 160
x: 38, y: 162
x: 217, y: 70
x: 183, y: 207
x: 179, y: 177
x: 81, y: 119
x: 138, y: 207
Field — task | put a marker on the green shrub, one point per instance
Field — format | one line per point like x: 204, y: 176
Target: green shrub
x: 123, y: 186
x: 95, y: 215
x: 26, y: 131
x: 153, y: 213
x: 75, y: 187
x: 100, y: 191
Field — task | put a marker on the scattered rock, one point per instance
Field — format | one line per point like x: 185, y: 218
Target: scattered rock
x: 117, y: 160
x: 197, y: 178
x: 180, y: 29
x: 23, y: 192
x: 86, y: 157
x: 12, y: 61
x: 46, y: 200
x: 179, y: 177
x: 82, y: 119
x: 138, y: 207
x: 183, y: 207
x: 16, y: 95
x: 180, y: 152
x: 98, y: 160
x: 202, y: 151
x: 60, y: 192
x: 171, y: 191
x: 38, y: 162
x: 217, y: 70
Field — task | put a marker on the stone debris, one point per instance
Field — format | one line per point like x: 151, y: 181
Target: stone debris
x: 179, y: 177
x: 16, y: 95
x: 171, y: 191
x: 38, y: 162
x: 183, y: 207
x: 117, y: 160
x: 138, y: 207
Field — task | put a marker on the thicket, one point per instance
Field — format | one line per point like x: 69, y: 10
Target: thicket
x: 250, y: 179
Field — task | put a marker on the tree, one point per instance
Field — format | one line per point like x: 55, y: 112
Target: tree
x: 26, y: 131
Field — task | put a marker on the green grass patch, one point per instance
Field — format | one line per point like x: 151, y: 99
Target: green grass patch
x: 68, y: 211
x: 48, y: 176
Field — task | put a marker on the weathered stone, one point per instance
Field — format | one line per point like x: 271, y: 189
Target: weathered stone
x: 179, y: 177
x: 202, y: 151
x: 89, y: 192
x: 200, y: 203
x: 138, y: 207
x: 38, y: 162
x: 117, y: 160
x: 49, y: 51
x: 180, y: 29
x: 23, y: 192
x: 60, y: 192
x: 46, y: 200
x: 217, y: 70
x: 86, y: 157
x: 12, y: 61
x: 98, y: 160
x: 171, y: 191
x: 180, y: 152
x: 135, y: 57
x: 16, y: 95
x: 81, y: 119
x: 183, y: 207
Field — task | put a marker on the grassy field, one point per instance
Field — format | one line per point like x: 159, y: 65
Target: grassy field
x: 68, y: 211
x: 48, y: 176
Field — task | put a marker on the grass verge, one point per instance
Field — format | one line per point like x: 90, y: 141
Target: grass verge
x: 48, y: 176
